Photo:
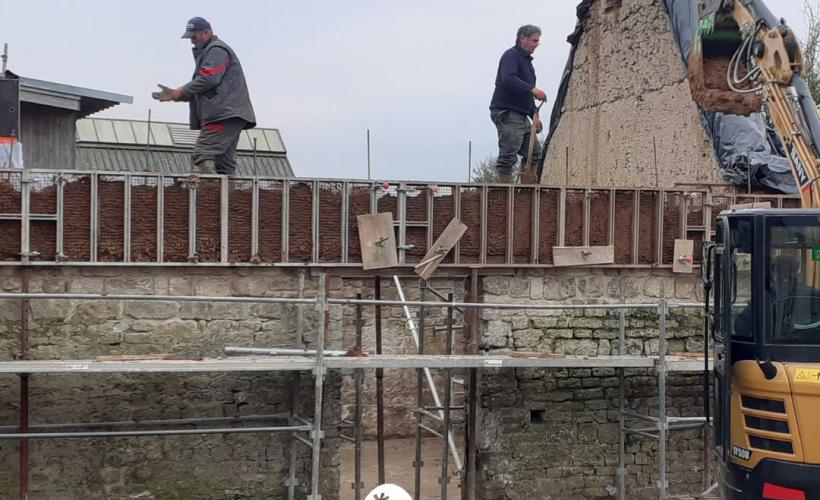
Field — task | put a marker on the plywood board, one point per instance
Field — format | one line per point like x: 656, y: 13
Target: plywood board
x: 684, y: 256
x: 582, y: 256
x: 444, y: 243
x: 378, y: 241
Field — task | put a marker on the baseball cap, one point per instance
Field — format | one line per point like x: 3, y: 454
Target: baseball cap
x: 194, y: 25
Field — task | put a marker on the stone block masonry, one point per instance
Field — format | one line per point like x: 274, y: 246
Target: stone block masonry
x: 175, y: 467
x: 553, y: 434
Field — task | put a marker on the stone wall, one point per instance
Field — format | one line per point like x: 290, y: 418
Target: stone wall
x: 553, y: 434
x: 184, y: 467
x: 539, y: 430
x: 628, y: 103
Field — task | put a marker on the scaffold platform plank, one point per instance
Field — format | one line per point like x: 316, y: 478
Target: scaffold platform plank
x: 294, y: 363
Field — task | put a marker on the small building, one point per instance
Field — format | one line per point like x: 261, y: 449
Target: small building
x: 126, y: 145
x: 48, y: 116
x: 56, y: 133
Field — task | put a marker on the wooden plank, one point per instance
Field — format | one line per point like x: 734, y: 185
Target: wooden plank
x: 684, y: 256
x: 583, y: 256
x: 378, y: 241
x: 749, y: 206
x: 444, y: 243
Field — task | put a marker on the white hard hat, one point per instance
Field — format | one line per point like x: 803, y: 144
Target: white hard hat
x: 388, y: 492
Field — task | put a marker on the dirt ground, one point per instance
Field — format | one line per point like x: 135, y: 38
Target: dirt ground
x: 399, y: 456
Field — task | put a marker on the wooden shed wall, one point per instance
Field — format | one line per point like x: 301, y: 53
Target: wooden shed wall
x: 48, y: 136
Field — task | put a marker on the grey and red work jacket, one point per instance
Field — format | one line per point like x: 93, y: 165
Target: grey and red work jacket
x: 217, y: 90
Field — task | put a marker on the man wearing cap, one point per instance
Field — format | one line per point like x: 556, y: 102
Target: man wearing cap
x: 220, y: 106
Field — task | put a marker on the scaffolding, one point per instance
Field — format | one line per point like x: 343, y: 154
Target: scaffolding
x: 310, y: 431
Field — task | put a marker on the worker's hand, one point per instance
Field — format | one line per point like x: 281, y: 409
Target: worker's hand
x: 539, y: 126
x: 166, y: 94
x: 539, y: 94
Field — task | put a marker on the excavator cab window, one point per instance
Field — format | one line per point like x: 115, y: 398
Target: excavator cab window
x: 741, y: 307
x: 792, y: 285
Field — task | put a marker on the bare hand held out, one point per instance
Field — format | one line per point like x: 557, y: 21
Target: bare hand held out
x: 165, y: 94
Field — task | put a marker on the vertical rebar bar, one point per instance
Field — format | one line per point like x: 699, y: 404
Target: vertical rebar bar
x: 448, y: 374
x: 706, y: 263
x: 148, y: 144
x: 25, y: 254
x: 358, y: 378
x: 24, y: 377
x: 25, y: 216
x: 401, y: 209
x: 294, y: 443
x: 314, y: 221
x: 95, y: 217
x: 255, y: 171
x: 469, y: 161
x: 224, y: 226
x: 60, y: 252
x: 300, y: 312
x: 316, y: 433
x: 621, y: 395
x: 160, y: 218
x: 192, y: 257
x: 126, y: 220
x: 473, y: 319
x: 377, y: 285
x: 417, y: 463
x: 294, y: 394
x: 255, y: 219
x: 662, y: 418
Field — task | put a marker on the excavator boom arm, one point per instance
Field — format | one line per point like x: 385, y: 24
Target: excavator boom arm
x: 767, y: 61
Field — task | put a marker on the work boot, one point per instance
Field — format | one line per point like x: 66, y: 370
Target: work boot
x: 505, y: 178
x: 205, y: 167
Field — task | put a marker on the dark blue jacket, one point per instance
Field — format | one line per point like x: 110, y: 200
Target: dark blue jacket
x: 514, y: 83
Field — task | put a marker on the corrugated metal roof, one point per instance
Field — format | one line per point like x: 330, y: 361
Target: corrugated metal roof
x: 171, y: 161
x: 133, y: 132
x: 119, y: 145
x: 83, y: 100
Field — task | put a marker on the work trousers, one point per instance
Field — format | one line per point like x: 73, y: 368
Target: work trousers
x: 217, y: 141
x: 514, y: 131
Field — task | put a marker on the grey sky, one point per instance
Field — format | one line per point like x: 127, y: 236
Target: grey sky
x: 418, y: 74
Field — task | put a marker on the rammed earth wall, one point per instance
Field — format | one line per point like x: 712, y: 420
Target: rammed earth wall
x: 628, y: 119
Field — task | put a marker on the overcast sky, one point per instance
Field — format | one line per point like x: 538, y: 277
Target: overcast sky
x: 418, y: 74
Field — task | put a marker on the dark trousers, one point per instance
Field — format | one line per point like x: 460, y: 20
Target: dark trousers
x: 513, y: 139
x: 217, y: 141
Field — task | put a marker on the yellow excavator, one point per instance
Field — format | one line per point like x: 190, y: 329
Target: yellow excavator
x: 762, y: 268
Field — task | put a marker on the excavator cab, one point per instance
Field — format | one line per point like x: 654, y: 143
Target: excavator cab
x: 765, y: 334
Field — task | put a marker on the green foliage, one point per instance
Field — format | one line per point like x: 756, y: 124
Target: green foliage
x: 485, y: 172
x: 810, y: 46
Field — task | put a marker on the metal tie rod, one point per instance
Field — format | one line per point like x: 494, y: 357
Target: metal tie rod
x: 168, y: 432
x: 241, y: 351
x: 167, y: 298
